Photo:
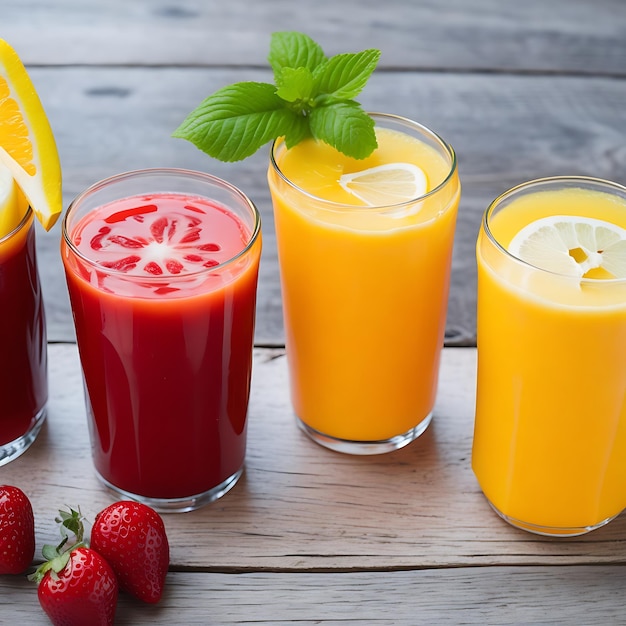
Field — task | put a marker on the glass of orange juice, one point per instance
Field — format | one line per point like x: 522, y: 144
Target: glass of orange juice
x: 549, y: 446
x: 365, y: 249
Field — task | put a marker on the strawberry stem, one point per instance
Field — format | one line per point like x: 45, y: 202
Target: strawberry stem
x: 71, y: 521
x: 56, y: 557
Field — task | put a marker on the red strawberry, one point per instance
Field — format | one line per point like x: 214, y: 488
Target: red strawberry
x: 84, y: 591
x: 131, y: 537
x: 76, y: 586
x: 17, y: 531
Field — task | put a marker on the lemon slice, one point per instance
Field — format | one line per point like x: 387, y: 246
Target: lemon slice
x: 27, y: 146
x: 13, y: 204
x: 383, y: 185
x: 573, y: 246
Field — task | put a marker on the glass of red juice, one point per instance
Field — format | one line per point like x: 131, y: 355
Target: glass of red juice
x: 162, y: 267
x: 23, y: 360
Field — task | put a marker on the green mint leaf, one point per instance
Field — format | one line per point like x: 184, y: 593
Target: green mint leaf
x: 293, y: 49
x: 313, y: 97
x: 344, y: 76
x: 346, y: 127
x: 237, y: 120
x: 298, y: 132
x: 294, y: 84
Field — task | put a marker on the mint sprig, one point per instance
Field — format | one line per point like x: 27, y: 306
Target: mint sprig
x: 313, y: 96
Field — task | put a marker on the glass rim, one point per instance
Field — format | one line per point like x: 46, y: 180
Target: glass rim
x: 169, y: 171
x: 485, y: 222
x: 21, y: 224
x: 331, y: 204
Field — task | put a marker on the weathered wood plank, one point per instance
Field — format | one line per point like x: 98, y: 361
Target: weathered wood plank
x: 505, y: 129
x: 533, y: 35
x: 302, y: 507
x: 498, y: 595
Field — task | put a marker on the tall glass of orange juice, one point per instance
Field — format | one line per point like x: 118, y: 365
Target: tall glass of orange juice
x: 550, y: 432
x: 365, y: 249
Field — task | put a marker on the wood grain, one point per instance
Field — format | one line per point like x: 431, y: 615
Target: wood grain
x: 534, y: 35
x: 312, y: 536
x: 300, y: 507
x: 497, y: 595
x: 505, y: 130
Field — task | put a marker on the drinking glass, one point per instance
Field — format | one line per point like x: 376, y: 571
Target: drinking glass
x: 549, y: 446
x: 365, y: 291
x: 162, y: 268
x: 23, y: 366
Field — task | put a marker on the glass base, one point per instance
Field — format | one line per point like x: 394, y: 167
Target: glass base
x: 178, y: 505
x: 349, y: 446
x: 10, y: 451
x: 550, y: 531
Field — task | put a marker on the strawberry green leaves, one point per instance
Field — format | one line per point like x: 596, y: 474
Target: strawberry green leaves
x: 313, y: 96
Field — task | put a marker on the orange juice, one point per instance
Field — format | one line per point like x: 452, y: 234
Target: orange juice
x: 550, y: 434
x: 364, y: 288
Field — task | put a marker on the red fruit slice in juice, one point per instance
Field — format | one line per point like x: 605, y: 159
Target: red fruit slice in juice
x: 172, y: 236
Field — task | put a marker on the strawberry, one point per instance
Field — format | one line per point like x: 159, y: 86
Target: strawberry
x: 76, y: 585
x: 83, y: 591
x: 17, y: 530
x: 131, y: 536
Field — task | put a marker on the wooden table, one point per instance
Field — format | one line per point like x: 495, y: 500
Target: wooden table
x: 309, y: 536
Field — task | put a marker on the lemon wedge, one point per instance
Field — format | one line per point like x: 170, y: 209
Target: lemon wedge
x: 388, y: 184
x: 13, y: 204
x: 27, y: 145
x: 583, y: 247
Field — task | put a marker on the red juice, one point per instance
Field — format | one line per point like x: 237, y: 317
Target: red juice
x: 164, y: 315
x: 23, y: 361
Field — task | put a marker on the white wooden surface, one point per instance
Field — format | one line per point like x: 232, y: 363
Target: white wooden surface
x: 584, y: 595
x: 313, y: 536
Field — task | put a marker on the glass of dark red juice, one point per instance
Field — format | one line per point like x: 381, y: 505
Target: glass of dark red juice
x: 161, y: 267
x: 23, y: 360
